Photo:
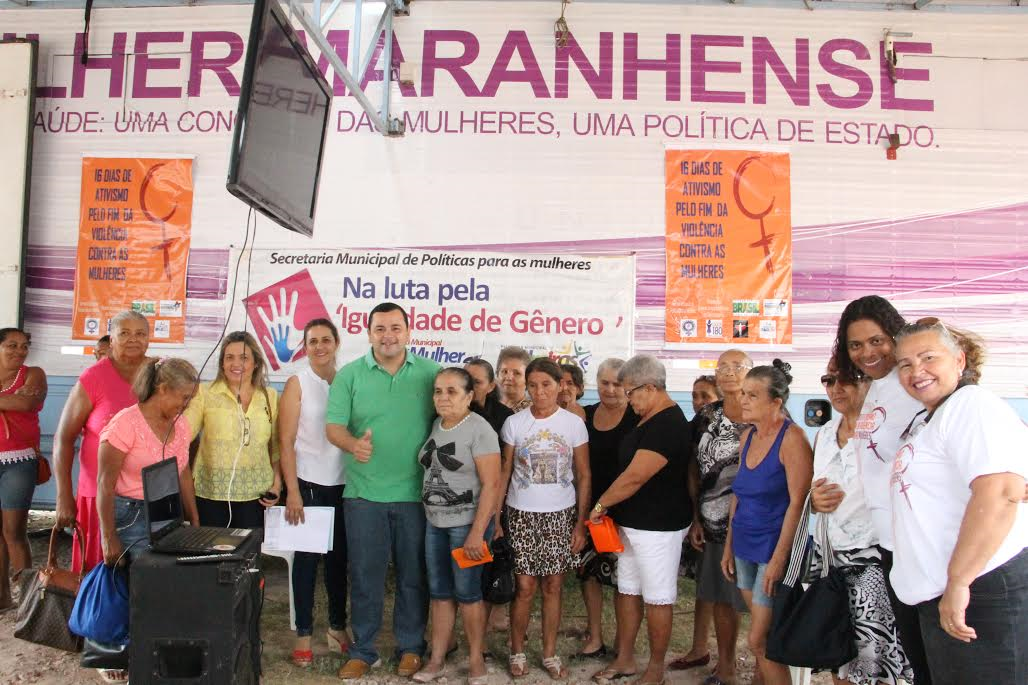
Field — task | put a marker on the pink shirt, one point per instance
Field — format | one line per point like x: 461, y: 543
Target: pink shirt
x: 129, y: 432
x: 109, y: 394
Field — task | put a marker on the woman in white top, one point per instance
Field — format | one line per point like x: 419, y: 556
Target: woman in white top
x: 312, y: 469
x: 545, y: 452
x: 958, y: 493
x: 865, y: 346
x: 838, y: 496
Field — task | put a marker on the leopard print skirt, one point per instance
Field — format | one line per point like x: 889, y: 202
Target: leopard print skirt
x: 542, y: 541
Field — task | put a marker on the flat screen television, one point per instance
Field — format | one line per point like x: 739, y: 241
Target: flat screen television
x: 278, y: 140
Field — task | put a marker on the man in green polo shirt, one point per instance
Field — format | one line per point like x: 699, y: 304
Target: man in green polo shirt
x: 380, y: 413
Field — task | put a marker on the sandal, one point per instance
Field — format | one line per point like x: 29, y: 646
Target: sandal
x: 610, y: 673
x: 302, y: 658
x: 555, y: 668
x: 426, y: 676
x: 112, y: 675
x: 518, y: 665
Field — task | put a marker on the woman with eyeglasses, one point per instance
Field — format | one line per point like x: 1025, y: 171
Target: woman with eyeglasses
x: 838, y: 496
x: 716, y: 430
x: 236, y: 470
x: 461, y: 492
x: 958, y: 495
x: 652, y: 513
x: 865, y: 345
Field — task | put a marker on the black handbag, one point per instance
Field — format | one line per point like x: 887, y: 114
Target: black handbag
x: 498, y: 576
x: 105, y: 656
x: 603, y: 566
x: 811, y: 627
x: 46, y: 601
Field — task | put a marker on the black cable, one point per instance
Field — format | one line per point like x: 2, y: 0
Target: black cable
x: 224, y: 330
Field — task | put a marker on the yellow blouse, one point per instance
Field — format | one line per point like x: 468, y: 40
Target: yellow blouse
x: 229, y: 438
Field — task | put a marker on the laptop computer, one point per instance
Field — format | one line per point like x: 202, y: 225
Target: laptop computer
x: 163, y: 508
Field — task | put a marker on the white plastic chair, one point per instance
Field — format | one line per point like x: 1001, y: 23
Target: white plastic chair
x: 288, y: 556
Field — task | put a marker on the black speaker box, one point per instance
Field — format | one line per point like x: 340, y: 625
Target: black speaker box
x: 196, y: 623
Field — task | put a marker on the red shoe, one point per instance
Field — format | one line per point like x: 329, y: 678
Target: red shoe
x: 302, y: 658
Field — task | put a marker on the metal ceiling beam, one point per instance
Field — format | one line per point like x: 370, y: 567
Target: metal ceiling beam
x: 314, y: 26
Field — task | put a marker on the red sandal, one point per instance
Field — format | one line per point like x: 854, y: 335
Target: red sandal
x: 302, y: 658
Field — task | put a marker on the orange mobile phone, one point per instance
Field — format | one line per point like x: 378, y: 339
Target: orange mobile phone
x: 464, y: 562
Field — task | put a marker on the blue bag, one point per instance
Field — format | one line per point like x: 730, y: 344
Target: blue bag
x: 101, y: 611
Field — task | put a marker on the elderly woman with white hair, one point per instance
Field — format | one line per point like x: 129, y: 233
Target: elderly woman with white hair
x: 608, y: 422
x: 103, y: 390
x: 650, y: 503
x: 958, y: 511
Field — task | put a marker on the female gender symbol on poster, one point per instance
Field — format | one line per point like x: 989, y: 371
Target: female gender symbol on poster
x: 756, y: 215
x: 165, y: 244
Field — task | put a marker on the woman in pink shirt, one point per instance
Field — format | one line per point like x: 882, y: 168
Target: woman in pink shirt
x: 138, y: 437
x: 102, y: 391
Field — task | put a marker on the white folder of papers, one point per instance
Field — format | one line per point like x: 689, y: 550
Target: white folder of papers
x: 314, y: 534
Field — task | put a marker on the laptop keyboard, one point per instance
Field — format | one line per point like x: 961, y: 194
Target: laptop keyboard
x: 197, y: 538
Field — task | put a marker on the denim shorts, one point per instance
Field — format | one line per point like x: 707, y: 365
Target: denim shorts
x: 749, y: 576
x: 447, y: 580
x: 130, y: 522
x: 17, y: 483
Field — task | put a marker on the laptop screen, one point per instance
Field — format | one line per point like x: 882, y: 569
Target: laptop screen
x: 161, y: 494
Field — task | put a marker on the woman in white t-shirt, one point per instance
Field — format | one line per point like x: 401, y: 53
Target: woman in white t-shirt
x: 958, y: 487
x: 546, y: 464
x: 865, y: 346
x: 312, y: 469
x: 837, y: 496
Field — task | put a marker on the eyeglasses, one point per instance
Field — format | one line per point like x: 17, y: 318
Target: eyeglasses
x: 733, y: 368
x: 829, y: 379
x: 628, y: 393
x: 914, y: 427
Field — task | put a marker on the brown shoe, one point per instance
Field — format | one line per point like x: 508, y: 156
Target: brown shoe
x: 410, y: 664
x: 355, y: 669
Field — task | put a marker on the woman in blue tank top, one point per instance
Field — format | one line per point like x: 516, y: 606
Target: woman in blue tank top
x: 775, y: 470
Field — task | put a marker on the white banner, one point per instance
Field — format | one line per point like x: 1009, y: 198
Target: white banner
x: 573, y: 309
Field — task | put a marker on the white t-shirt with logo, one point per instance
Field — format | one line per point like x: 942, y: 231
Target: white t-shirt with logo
x: 543, y: 476
x: 974, y: 433
x: 887, y: 412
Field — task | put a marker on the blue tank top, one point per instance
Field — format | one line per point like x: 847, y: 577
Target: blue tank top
x: 762, y: 498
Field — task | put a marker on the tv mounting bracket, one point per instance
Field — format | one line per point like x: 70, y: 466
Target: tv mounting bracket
x: 315, y: 25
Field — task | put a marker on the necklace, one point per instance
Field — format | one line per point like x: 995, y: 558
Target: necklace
x: 456, y: 425
x: 8, y: 386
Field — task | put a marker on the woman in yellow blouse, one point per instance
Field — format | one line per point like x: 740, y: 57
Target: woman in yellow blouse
x: 236, y: 472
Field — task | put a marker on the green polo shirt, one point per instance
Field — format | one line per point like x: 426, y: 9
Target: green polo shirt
x: 398, y: 409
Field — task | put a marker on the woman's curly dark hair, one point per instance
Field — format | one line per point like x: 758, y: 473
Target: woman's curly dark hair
x: 874, y: 308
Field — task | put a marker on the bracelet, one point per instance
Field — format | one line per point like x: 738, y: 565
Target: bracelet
x: 599, y: 507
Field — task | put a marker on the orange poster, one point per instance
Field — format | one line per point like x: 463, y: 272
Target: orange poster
x: 135, y: 217
x: 729, y: 248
